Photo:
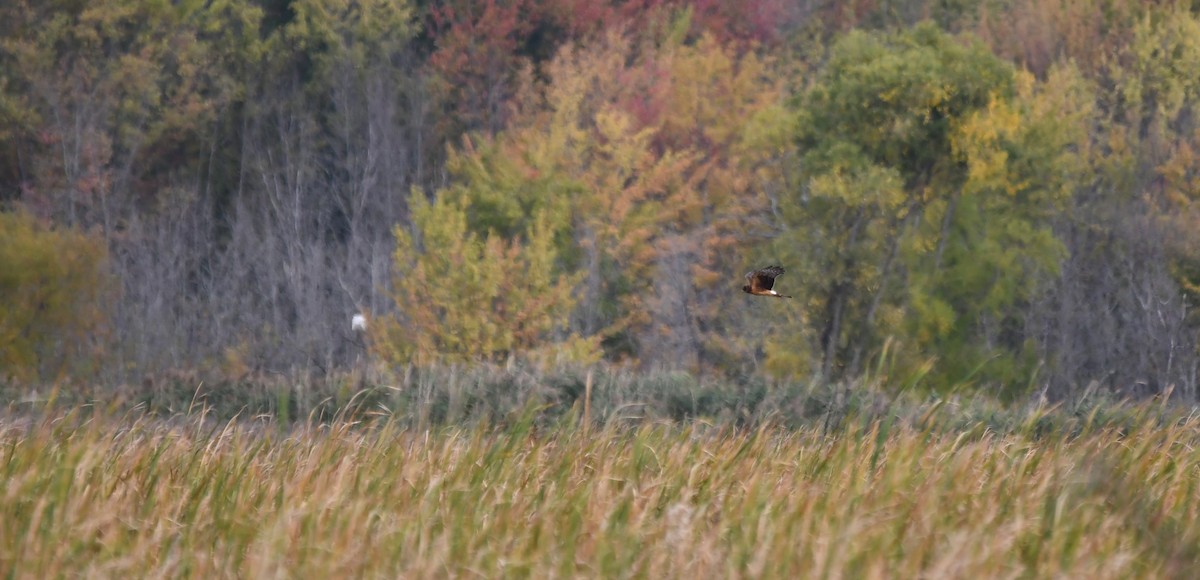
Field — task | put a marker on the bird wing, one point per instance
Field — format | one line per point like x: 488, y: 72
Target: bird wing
x: 765, y: 278
x: 754, y: 279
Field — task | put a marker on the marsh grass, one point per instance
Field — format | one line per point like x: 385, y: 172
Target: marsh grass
x: 493, y: 395
x: 936, y: 494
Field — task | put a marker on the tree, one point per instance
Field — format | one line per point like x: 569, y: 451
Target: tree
x: 649, y: 162
x: 481, y: 49
x: 54, y: 295
x: 923, y: 208
x: 116, y: 97
x: 1119, y: 316
x: 466, y: 297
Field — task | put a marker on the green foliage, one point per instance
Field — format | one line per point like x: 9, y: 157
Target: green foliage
x: 466, y: 297
x: 112, y: 95
x: 54, y: 299
x: 329, y: 34
x: 929, y: 175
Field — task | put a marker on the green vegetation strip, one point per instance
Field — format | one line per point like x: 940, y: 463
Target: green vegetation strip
x: 113, y: 496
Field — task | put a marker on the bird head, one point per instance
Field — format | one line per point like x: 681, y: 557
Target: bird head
x: 746, y: 289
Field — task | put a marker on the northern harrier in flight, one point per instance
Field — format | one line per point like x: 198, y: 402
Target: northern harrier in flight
x: 761, y: 282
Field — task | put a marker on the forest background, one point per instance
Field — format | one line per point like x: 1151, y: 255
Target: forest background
x: 996, y: 195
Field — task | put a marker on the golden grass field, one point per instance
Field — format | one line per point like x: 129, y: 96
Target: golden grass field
x: 95, y: 496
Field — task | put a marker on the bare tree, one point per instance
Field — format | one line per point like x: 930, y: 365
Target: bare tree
x: 1115, y: 315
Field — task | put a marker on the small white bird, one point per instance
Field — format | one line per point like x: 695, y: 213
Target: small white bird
x: 358, y: 323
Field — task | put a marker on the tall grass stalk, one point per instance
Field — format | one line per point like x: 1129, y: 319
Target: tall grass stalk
x: 94, y: 495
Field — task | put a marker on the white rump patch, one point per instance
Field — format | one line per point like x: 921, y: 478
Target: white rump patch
x: 359, y: 322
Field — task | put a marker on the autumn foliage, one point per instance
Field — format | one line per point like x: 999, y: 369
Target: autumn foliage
x: 963, y: 193
x: 54, y: 298
x: 647, y: 184
x: 472, y: 297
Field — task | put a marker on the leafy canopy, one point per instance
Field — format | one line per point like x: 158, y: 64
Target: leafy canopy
x: 929, y: 169
x: 467, y: 297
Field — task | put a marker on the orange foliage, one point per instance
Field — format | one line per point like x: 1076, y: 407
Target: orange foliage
x: 652, y: 158
x: 1038, y: 34
x: 480, y: 48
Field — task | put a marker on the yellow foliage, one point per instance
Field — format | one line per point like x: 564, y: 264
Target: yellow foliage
x: 465, y: 297
x: 633, y: 156
x: 53, y: 293
x: 787, y: 359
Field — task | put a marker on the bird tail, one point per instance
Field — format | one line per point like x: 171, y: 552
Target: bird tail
x: 781, y: 296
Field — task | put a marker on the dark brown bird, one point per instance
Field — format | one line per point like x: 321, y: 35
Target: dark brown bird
x: 762, y: 281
